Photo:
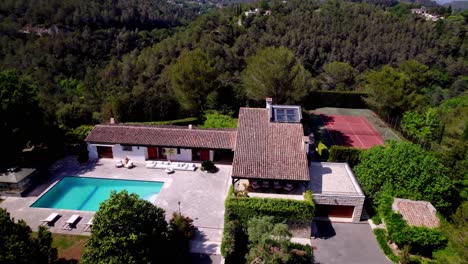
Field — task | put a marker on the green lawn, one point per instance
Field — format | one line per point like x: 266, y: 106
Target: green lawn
x: 69, y: 246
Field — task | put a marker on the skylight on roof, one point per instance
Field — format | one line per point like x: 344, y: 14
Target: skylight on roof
x: 286, y: 114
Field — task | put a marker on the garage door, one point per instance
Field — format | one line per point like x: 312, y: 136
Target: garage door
x: 334, y: 211
x: 104, y: 152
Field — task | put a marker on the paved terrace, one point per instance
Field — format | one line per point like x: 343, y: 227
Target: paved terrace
x: 201, y: 197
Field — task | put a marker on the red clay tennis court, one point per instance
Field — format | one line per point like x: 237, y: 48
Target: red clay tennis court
x: 351, y: 131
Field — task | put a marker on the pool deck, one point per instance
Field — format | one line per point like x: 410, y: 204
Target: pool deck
x: 201, y: 196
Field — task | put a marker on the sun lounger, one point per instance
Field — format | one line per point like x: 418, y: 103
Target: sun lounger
x: 129, y: 164
x: 277, y: 185
x: 50, y: 219
x: 151, y: 164
x: 288, y: 187
x: 71, y: 222
x: 89, y: 224
x: 255, y: 185
x: 119, y: 164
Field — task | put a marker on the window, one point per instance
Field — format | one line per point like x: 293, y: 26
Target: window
x: 178, y: 150
x: 126, y: 148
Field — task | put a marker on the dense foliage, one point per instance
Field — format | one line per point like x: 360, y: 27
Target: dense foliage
x: 127, y: 229
x: 405, y: 170
x: 424, y: 127
x: 214, y: 119
x: 239, y: 212
x: 269, y: 242
x: 245, y: 208
x: 20, y: 246
x: 347, y: 154
x: 381, y: 236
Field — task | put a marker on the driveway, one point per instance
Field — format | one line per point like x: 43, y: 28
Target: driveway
x: 347, y: 243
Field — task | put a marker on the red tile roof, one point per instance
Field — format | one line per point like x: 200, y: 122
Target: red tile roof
x: 416, y: 213
x: 170, y: 136
x: 268, y: 150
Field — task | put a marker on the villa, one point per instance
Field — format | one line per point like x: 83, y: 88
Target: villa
x: 268, y: 152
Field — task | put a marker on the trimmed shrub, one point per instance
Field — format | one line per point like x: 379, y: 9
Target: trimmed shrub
x: 243, y: 209
x: 235, y: 241
x: 322, y: 150
x: 300, y: 254
x: 208, y: 165
x: 381, y: 236
x: 350, y: 155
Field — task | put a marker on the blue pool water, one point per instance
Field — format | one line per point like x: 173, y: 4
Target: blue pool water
x: 85, y: 194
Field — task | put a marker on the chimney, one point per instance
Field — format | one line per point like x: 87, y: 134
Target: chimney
x: 112, y: 120
x: 190, y: 126
x: 269, y: 103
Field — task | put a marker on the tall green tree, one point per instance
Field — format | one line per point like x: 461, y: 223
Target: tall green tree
x: 277, y: 73
x: 393, y: 92
x: 405, y: 170
x: 337, y: 76
x: 425, y: 127
x: 20, y: 246
x: 192, y: 79
x: 127, y: 229
x: 21, y: 117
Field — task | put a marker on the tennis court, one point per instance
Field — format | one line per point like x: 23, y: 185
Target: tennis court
x: 350, y: 131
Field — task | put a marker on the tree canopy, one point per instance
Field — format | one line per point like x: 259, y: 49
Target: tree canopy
x: 20, y: 246
x: 214, y: 119
x: 127, y: 229
x: 404, y: 170
x: 275, y: 72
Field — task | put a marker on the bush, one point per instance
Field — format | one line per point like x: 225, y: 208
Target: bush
x: 422, y: 240
x: 350, y: 155
x: 322, y: 151
x: 282, y: 210
x: 300, y: 254
x: 208, y: 165
x: 381, y: 236
x: 182, y: 225
x: 234, y: 244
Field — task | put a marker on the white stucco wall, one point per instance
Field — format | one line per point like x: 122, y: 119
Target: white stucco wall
x: 185, y: 154
x: 138, y: 154
x: 92, y: 152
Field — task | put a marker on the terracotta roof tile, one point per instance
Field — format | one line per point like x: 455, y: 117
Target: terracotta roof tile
x: 268, y: 150
x: 416, y: 213
x: 171, y: 136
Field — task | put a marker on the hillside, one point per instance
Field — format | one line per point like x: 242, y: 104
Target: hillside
x: 457, y: 5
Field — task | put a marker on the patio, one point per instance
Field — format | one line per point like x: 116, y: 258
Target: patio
x: 201, y: 196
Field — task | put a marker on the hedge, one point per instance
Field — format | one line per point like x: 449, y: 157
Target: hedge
x: 344, y: 99
x: 381, y: 236
x: 234, y: 244
x: 348, y: 154
x: 244, y: 208
x: 422, y: 240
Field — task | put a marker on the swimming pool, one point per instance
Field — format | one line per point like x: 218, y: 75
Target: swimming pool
x: 85, y: 194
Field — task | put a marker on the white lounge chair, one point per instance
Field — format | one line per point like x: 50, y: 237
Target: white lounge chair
x: 71, y: 222
x: 288, y: 187
x: 129, y: 164
x: 119, y: 164
x: 255, y: 185
x: 50, y: 219
x: 89, y: 224
x: 151, y: 164
x: 277, y: 185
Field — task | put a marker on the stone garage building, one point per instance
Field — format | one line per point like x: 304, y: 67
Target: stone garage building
x: 337, y: 194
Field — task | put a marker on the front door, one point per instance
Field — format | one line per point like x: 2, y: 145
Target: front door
x: 152, y: 153
x: 204, y: 154
x: 104, y: 152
